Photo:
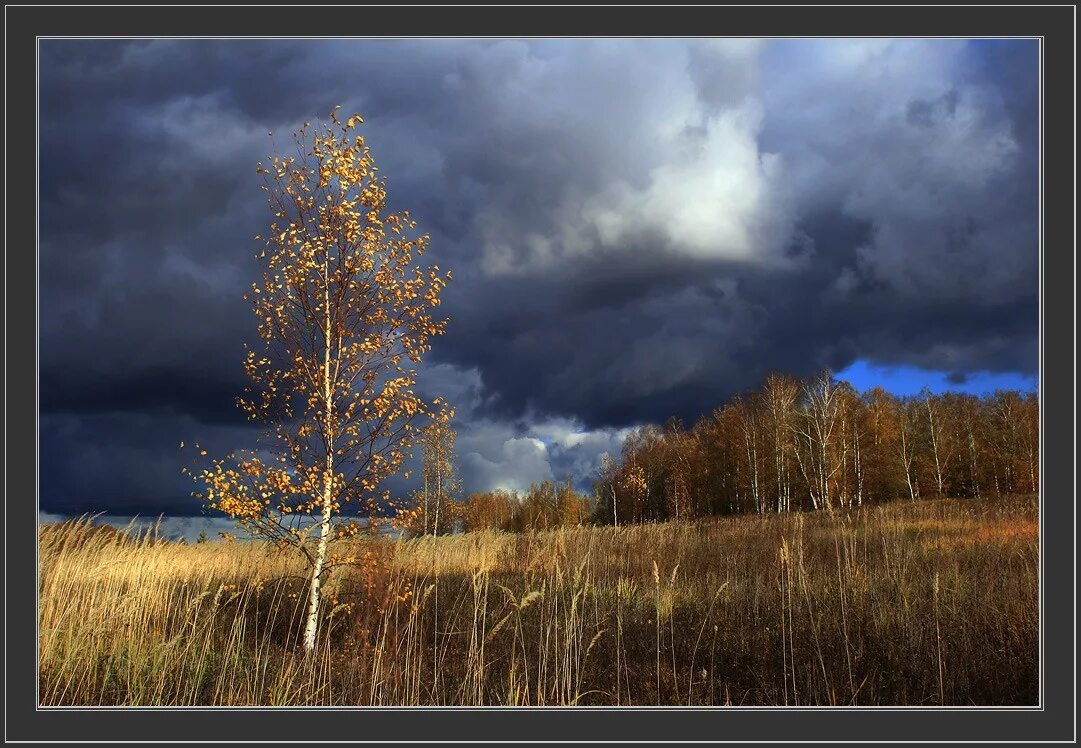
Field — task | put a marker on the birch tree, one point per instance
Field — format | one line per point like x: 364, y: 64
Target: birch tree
x: 779, y: 394
x: 816, y: 430
x: 1030, y: 438
x: 970, y: 419
x: 849, y: 406
x: 442, y: 482
x: 345, y: 312
x: 746, y: 413
x: 907, y: 420
x: 938, y: 437
x: 607, y: 485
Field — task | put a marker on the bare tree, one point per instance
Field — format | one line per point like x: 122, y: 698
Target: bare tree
x: 816, y: 430
x: 907, y: 420
x: 608, y: 484
x: 1030, y: 438
x: 442, y: 482
x: 938, y: 437
x: 746, y: 412
x: 779, y: 394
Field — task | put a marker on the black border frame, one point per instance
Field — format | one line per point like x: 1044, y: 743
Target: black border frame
x: 1054, y: 722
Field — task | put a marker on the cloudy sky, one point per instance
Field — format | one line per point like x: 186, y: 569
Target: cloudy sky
x: 637, y: 229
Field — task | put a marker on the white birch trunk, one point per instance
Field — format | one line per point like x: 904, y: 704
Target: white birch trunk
x: 934, y: 445
x: 906, y: 462
x: 311, y: 624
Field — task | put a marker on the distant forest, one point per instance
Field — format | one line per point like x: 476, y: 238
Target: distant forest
x: 793, y: 445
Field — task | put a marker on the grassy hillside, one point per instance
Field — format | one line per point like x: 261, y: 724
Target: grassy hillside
x: 920, y: 603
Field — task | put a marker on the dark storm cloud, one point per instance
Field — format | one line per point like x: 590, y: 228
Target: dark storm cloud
x: 124, y: 462
x: 637, y: 229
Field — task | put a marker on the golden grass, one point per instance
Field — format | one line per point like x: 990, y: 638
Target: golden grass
x: 909, y: 603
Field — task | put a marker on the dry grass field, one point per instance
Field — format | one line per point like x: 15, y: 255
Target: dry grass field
x: 909, y: 603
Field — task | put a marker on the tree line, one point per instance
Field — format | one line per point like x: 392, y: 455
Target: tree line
x: 544, y: 506
x: 788, y: 445
x: 819, y: 444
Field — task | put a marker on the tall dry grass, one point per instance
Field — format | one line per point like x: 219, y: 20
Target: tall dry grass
x: 909, y: 603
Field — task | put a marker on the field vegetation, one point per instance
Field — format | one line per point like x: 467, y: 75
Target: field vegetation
x: 924, y: 602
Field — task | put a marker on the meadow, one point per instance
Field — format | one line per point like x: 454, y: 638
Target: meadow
x: 906, y: 603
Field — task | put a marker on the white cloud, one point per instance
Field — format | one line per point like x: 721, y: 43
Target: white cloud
x: 494, y: 456
x: 519, y: 463
x: 717, y: 197
x: 671, y: 132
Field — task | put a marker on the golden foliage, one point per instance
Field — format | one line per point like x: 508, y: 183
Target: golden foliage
x: 345, y: 311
